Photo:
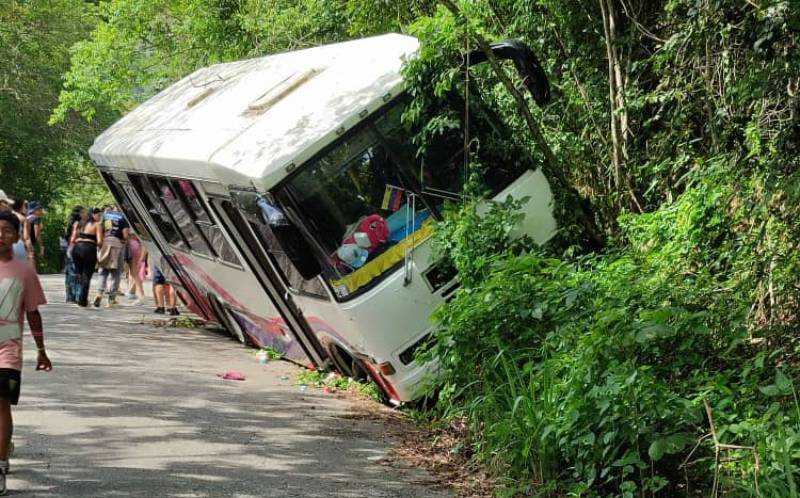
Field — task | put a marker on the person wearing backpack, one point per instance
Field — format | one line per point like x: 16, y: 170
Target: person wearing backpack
x: 111, y: 258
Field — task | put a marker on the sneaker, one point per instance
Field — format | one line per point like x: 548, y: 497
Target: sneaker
x: 159, y: 310
x: 131, y: 295
x: 3, y: 472
x: 174, y: 311
x: 112, y: 301
x: 97, y: 300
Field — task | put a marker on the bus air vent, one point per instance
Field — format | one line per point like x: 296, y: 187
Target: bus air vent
x: 281, y: 90
x: 439, y: 274
x: 422, y: 345
x: 200, y: 97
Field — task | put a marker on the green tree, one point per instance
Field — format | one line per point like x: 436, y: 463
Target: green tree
x: 39, y: 161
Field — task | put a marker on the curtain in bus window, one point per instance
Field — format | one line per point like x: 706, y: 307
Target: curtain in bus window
x: 157, y: 211
x: 185, y: 223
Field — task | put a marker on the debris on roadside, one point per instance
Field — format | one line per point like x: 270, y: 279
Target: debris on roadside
x: 177, y: 322
x: 336, y: 383
x: 231, y: 375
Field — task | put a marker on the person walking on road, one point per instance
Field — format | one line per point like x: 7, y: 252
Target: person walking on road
x: 21, y: 251
x: 111, y: 258
x: 136, y: 252
x: 87, y: 236
x: 71, y: 283
x: 34, y: 229
x: 164, y: 294
x: 20, y: 292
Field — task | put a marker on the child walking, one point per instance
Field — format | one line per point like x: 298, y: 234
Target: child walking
x: 20, y: 291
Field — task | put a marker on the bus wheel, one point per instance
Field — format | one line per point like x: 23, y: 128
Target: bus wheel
x: 228, y: 322
x: 347, y: 364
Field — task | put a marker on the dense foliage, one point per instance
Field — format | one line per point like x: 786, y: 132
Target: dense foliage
x: 665, y: 365
x: 674, y: 126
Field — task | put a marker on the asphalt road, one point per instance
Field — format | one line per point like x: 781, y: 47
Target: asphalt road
x: 132, y: 409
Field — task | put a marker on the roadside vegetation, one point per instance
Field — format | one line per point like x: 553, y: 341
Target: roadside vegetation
x: 332, y: 382
x: 665, y: 362
x: 38, y: 161
x: 651, y: 348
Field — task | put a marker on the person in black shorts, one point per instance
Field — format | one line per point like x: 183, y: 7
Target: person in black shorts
x: 164, y: 294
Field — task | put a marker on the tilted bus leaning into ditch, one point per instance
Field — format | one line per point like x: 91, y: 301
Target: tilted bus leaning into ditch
x: 288, y: 204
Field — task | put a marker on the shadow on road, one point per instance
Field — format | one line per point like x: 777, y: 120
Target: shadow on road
x: 134, y: 410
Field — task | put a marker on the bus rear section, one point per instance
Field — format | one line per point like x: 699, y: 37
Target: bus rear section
x: 180, y: 230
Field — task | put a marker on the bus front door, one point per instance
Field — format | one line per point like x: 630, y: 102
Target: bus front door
x: 261, y: 265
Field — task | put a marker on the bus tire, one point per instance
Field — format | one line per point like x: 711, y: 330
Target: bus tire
x: 347, y: 364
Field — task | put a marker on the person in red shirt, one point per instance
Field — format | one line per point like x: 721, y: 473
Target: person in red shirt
x: 20, y: 297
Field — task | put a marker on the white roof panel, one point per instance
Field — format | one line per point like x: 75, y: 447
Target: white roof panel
x: 248, y: 120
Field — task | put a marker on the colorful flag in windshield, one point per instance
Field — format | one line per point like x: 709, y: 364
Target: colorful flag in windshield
x: 392, y: 198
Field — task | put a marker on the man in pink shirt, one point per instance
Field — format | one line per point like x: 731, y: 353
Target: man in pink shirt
x: 20, y: 291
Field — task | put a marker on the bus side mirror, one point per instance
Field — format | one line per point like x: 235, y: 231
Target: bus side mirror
x: 528, y: 67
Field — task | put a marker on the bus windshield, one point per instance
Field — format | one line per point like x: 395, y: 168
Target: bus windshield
x: 367, y: 200
x: 358, y: 200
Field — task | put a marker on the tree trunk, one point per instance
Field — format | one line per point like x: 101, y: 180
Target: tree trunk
x: 620, y: 130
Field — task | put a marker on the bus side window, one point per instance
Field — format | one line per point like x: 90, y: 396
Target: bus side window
x: 182, y: 218
x: 121, y: 196
x: 157, y: 211
x: 204, y: 222
x: 259, y: 215
x: 290, y: 274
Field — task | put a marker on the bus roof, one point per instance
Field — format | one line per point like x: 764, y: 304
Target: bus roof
x: 253, y: 120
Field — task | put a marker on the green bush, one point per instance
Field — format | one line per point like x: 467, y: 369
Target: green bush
x: 588, y: 375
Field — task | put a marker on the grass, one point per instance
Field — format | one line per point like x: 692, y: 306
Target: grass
x: 333, y: 381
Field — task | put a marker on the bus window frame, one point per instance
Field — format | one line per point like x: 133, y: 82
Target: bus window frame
x: 146, y: 197
x: 154, y: 180
x: 214, y: 224
x: 122, y: 198
x: 324, y: 295
x: 281, y: 191
x: 284, y: 195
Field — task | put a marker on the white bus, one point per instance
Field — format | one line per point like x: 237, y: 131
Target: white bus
x: 287, y: 202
